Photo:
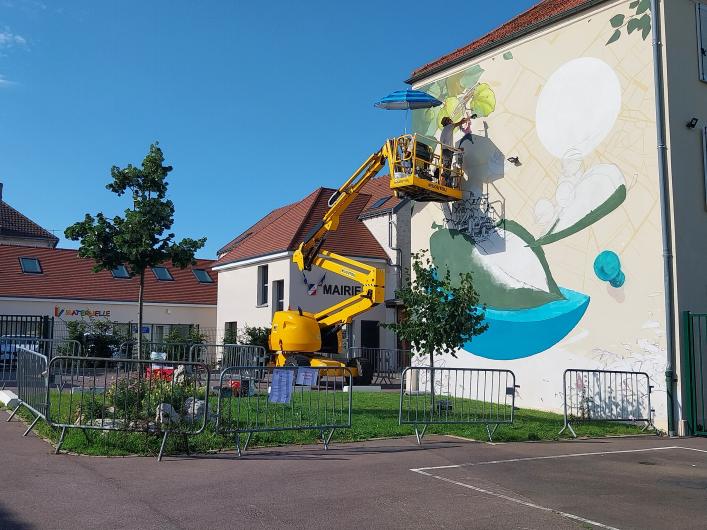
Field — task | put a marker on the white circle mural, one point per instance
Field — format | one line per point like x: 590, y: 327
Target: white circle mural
x: 578, y: 106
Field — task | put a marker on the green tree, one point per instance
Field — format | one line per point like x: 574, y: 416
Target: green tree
x: 255, y: 336
x: 141, y: 238
x: 442, y: 314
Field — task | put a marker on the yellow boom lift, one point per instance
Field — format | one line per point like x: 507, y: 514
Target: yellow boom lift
x: 417, y: 173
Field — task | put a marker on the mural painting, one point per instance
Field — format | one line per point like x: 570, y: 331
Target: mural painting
x: 512, y: 237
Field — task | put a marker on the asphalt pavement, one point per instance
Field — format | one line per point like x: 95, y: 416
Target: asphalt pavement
x: 646, y: 482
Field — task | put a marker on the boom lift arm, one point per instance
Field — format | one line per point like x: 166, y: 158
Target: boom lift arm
x: 416, y: 172
x: 309, y: 253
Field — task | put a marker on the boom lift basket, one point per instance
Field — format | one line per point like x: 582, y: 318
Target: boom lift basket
x: 419, y: 171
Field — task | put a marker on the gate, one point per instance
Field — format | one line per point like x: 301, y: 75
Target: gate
x: 695, y: 363
x: 24, y: 326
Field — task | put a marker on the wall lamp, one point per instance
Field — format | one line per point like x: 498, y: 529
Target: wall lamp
x: 692, y: 123
x: 515, y: 161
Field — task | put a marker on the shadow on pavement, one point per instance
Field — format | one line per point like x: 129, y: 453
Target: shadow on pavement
x: 9, y: 522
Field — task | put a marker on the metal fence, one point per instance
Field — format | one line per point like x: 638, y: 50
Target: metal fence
x: 135, y: 395
x: 173, y: 351
x: 386, y: 363
x: 22, y: 326
x: 444, y: 396
x: 48, y: 347
x: 606, y: 395
x: 254, y: 399
x: 31, y: 385
x: 224, y: 355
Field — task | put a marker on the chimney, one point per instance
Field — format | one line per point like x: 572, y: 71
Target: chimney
x: 0, y: 191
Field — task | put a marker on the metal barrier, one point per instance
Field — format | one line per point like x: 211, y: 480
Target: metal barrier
x: 224, y: 355
x: 135, y: 395
x: 47, y: 347
x: 265, y: 399
x: 387, y: 364
x: 445, y: 396
x: 174, y: 351
x: 31, y: 384
x: 606, y: 395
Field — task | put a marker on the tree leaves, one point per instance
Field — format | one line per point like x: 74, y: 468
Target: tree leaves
x: 440, y: 318
x: 141, y: 238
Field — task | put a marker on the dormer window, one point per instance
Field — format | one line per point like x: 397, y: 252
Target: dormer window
x: 30, y: 266
x: 380, y: 202
x: 162, y: 274
x: 202, y: 275
x: 120, y: 272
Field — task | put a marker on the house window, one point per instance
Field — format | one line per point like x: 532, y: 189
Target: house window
x: 202, y: 276
x: 262, y: 285
x: 31, y: 265
x: 162, y: 274
x: 701, y: 10
x: 230, y: 335
x: 120, y: 272
x: 380, y: 202
x: 278, y: 295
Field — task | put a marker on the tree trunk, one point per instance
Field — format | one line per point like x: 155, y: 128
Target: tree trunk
x: 139, y: 315
x: 432, y: 382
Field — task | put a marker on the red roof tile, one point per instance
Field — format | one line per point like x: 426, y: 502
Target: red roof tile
x: 541, y: 13
x: 14, y: 224
x: 284, y: 229
x: 66, y: 275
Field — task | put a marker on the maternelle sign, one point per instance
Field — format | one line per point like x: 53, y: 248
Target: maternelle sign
x: 60, y: 311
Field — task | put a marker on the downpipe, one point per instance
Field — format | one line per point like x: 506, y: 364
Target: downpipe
x: 665, y: 215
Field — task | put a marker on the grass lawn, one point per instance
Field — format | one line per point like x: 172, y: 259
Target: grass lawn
x: 375, y: 415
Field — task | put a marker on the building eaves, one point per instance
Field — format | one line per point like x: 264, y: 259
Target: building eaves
x: 499, y: 37
x: 14, y: 223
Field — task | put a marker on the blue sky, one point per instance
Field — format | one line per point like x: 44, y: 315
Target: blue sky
x: 255, y: 104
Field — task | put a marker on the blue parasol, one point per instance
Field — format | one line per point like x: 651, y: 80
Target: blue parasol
x: 407, y: 99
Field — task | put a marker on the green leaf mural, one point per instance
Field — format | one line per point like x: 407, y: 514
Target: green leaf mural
x: 484, y: 101
x: 616, y: 36
x: 643, y: 5
x: 456, y: 252
x: 608, y: 206
x: 633, y: 22
x: 617, y: 20
x: 449, y: 91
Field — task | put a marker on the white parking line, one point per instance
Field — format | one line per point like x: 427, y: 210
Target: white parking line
x: 552, y: 457
x: 518, y: 501
x: 425, y: 471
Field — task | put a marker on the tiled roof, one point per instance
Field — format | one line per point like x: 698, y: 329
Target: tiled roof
x: 379, y: 188
x: 14, y: 224
x: 542, y: 13
x: 285, y: 228
x: 65, y: 275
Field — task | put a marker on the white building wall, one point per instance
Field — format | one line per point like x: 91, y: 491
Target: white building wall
x: 540, y: 107
x: 122, y: 312
x: 238, y: 291
x: 27, y: 242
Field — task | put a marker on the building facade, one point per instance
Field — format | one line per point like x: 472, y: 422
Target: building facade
x: 58, y: 284
x: 584, y: 220
x: 257, y: 276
